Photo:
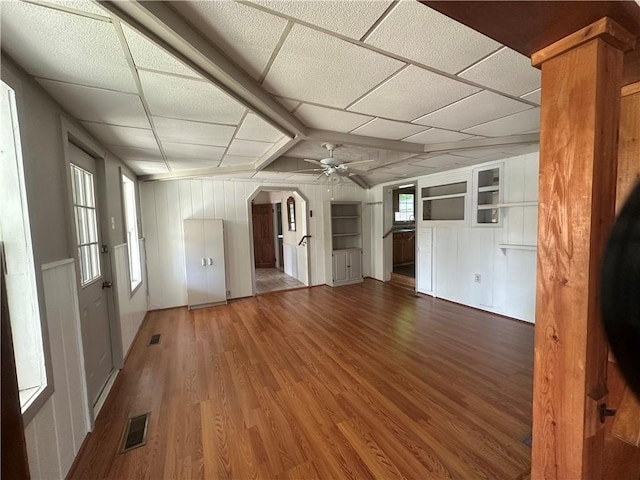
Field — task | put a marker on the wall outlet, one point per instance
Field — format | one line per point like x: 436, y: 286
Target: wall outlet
x: 477, y: 278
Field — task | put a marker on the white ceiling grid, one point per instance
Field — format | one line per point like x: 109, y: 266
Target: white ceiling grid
x: 396, y: 71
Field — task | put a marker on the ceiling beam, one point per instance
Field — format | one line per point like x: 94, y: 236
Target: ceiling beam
x: 278, y: 149
x: 328, y: 136
x: 200, y: 172
x: 165, y: 27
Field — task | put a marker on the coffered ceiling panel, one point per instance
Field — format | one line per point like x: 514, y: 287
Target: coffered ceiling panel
x: 148, y: 55
x: 183, y: 151
x: 57, y: 45
x: 436, y: 135
x: 330, y: 119
x: 388, y: 129
x: 506, y: 71
x: 254, y: 128
x: 412, y: 93
x: 405, y: 170
x: 186, y: 164
x: 423, y: 35
x: 122, y: 136
x: 247, y: 35
x: 97, y: 105
x: 314, y: 67
x: 473, y: 110
x: 200, y: 133
x: 348, y: 18
x: 247, y: 148
x: 177, y: 97
x: 522, y: 122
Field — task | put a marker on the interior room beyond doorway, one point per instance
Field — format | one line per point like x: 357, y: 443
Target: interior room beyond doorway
x: 404, y: 233
x: 278, y: 219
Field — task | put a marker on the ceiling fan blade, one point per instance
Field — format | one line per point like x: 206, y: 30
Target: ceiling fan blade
x: 319, y: 176
x: 316, y: 162
x: 359, y: 161
x: 309, y: 170
x: 353, y: 171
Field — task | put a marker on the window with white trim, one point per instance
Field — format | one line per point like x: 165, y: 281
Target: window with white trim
x: 84, y: 210
x: 131, y: 227
x: 18, y: 267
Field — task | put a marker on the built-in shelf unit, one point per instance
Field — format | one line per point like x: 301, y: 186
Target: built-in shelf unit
x: 345, y: 243
x: 487, y: 195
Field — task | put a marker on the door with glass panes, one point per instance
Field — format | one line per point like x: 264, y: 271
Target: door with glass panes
x: 92, y: 295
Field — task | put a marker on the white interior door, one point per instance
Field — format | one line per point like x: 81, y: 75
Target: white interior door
x: 92, y: 297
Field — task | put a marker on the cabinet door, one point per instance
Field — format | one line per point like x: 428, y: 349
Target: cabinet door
x: 195, y: 262
x: 355, y: 265
x: 340, y: 270
x: 214, y: 255
x: 424, y: 264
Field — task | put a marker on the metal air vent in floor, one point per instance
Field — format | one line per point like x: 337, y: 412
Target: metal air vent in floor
x: 155, y: 339
x: 135, y: 435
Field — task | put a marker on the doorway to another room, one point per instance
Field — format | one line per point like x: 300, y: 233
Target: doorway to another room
x: 279, y: 225
x: 404, y: 232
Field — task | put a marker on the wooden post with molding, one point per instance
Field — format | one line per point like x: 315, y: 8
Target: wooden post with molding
x: 581, y: 80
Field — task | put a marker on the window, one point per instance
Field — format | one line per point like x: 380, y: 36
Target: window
x: 84, y: 209
x: 405, y: 213
x: 18, y: 268
x: 131, y: 227
x: 291, y: 214
x: 444, y: 202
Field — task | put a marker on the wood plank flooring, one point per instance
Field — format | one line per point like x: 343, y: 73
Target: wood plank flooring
x: 360, y: 381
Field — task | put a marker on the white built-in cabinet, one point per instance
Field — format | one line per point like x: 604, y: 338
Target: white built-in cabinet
x: 344, y: 241
x: 204, y: 259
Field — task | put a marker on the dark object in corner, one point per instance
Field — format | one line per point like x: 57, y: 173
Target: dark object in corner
x: 620, y: 290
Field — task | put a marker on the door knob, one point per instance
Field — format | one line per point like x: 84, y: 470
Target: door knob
x: 106, y: 285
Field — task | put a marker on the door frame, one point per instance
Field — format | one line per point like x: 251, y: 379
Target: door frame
x: 251, y: 197
x: 73, y: 134
x: 387, y: 223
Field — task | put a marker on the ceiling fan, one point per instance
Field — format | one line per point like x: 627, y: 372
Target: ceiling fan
x: 334, y: 168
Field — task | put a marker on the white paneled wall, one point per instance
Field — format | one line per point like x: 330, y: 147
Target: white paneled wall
x: 132, y: 308
x: 56, y: 433
x: 455, y: 254
x: 166, y: 204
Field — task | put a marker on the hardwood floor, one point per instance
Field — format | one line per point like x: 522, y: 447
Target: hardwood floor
x: 360, y: 381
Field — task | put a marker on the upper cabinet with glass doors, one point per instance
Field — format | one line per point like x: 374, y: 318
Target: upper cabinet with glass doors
x: 487, y: 183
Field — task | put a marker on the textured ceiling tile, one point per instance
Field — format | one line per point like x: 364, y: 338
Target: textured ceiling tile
x: 513, y: 124
x: 411, y: 93
x: 435, y: 135
x: 446, y: 160
x: 506, y: 71
x: 349, y: 18
x: 247, y: 148
x: 200, y: 133
x: 122, y: 136
x: 319, y: 68
x: 263, y: 175
x: 329, y: 119
x: 533, y: 96
x: 52, y: 44
x: 232, y: 160
x: 133, y: 153
x: 178, y: 97
x: 185, y: 165
x: 388, y: 129
x: 86, y: 6
x: 417, y: 32
x: 478, y: 108
x: 179, y: 151
x: 405, y: 170
x: 255, y: 128
x: 97, y: 105
x: 146, y: 54
x: 248, y: 36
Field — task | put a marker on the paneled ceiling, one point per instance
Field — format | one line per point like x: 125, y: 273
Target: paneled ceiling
x: 247, y: 89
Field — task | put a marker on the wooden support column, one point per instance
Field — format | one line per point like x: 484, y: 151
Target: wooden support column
x: 581, y: 80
